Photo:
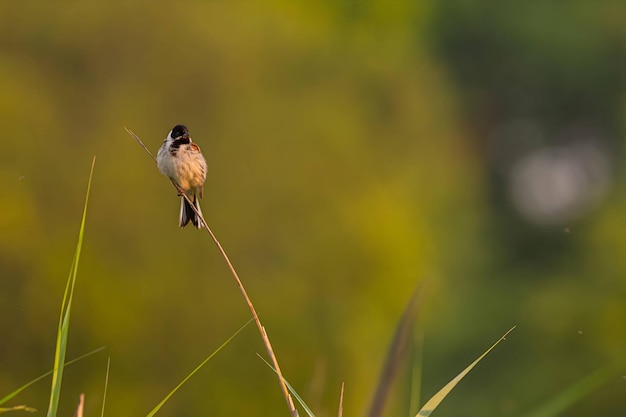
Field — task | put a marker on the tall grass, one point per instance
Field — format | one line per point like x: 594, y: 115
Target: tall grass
x: 395, y: 357
x: 66, y: 309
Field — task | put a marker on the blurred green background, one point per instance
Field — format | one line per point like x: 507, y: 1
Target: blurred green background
x: 355, y: 149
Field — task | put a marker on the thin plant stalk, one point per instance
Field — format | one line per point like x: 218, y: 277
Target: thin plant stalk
x: 244, y: 293
x: 106, y: 386
x: 292, y: 390
x: 192, y: 373
x: 18, y: 408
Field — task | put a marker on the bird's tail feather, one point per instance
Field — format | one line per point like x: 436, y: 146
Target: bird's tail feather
x: 187, y: 214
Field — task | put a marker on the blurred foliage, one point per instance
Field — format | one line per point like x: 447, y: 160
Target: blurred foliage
x: 352, y: 154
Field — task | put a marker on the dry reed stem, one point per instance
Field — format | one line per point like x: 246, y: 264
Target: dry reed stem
x: 340, y: 414
x: 81, y: 405
x: 244, y: 293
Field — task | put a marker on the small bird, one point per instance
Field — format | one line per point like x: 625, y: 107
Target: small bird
x: 181, y: 160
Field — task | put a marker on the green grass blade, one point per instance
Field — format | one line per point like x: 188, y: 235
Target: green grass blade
x: 39, y: 378
x: 436, y: 399
x: 167, y: 397
x: 396, y: 354
x: 291, y: 389
x: 66, y: 308
x: 106, y: 386
x: 573, y: 393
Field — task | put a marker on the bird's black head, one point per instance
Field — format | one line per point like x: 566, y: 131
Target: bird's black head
x: 180, y: 131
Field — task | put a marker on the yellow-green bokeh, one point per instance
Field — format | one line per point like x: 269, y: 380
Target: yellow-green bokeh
x: 342, y: 172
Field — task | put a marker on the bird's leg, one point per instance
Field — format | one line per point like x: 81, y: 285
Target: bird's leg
x: 178, y: 187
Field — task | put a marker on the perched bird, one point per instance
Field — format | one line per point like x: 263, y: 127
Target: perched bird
x: 181, y: 160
